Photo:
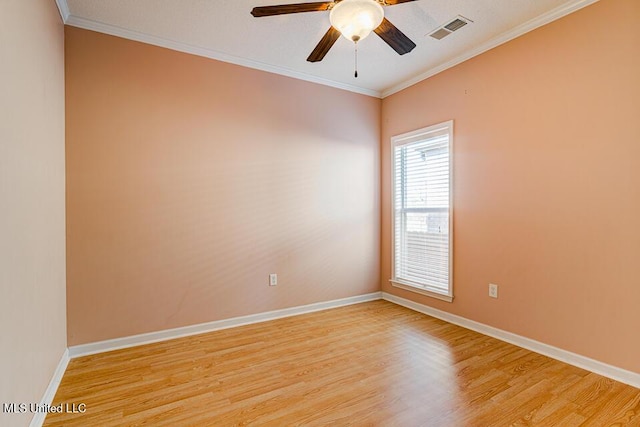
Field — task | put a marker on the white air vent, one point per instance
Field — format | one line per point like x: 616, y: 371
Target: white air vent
x: 448, y: 28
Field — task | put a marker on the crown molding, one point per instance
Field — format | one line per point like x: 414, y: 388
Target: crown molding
x: 530, y: 25
x: 63, y: 8
x: 113, y: 30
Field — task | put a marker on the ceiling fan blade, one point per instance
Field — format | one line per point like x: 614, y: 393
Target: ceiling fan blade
x: 324, y: 45
x: 394, y: 37
x: 284, y: 9
x: 392, y: 2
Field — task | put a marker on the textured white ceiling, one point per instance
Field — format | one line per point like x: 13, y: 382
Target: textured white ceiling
x: 225, y: 30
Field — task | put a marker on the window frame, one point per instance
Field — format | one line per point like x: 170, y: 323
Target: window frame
x: 404, y: 139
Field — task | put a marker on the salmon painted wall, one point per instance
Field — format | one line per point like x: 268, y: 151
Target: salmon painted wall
x: 190, y: 180
x: 32, y: 202
x: 547, y: 183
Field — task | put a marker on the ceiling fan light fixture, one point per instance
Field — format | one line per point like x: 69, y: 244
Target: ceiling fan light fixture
x: 355, y: 19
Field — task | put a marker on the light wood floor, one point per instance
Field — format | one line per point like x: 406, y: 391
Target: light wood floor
x: 374, y: 364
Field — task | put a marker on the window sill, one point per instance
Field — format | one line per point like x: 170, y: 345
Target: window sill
x: 413, y: 288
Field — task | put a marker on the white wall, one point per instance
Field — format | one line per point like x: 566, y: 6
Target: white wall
x: 32, y: 201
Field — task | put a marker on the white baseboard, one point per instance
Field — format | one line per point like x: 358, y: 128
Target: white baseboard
x: 609, y: 371
x: 168, y: 334
x: 50, y: 392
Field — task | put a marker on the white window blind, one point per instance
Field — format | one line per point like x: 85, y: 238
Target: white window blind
x: 422, y: 209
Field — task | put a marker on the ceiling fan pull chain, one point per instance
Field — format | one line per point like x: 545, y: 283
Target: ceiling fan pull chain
x: 356, y: 65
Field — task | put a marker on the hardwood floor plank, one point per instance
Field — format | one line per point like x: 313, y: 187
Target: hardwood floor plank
x: 373, y: 363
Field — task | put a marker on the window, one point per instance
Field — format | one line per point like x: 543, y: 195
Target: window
x: 422, y: 211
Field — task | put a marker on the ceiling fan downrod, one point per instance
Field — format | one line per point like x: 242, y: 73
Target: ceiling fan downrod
x: 355, y: 74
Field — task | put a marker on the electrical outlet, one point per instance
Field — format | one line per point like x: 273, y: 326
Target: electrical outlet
x: 273, y: 279
x: 493, y: 290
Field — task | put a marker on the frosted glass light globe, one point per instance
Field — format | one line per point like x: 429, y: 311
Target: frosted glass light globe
x: 355, y: 19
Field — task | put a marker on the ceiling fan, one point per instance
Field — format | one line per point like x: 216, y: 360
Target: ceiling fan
x: 354, y: 19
